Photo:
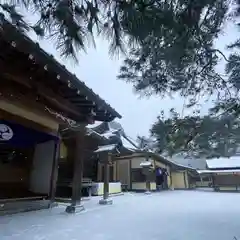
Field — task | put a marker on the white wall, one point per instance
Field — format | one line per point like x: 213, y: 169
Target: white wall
x: 40, y: 176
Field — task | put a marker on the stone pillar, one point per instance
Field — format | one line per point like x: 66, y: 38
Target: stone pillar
x: 76, y: 205
x: 105, y: 200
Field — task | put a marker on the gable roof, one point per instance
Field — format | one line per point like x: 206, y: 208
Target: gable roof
x: 112, y: 133
x: 115, y: 130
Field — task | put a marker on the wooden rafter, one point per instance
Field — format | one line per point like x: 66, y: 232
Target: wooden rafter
x: 30, y: 53
x: 23, y: 97
x: 19, y: 51
x: 41, y: 90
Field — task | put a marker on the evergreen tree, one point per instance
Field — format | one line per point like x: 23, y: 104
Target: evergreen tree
x: 181, y: 56
x: 72, y: 23
x: 169, y: 45
x: 198, y: 136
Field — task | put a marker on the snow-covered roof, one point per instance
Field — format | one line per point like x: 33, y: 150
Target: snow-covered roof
x: 197, y: 163
x: 131, y: 141
x: 114, y: 129
x: 218, y: 171
x: 96, y: 124
x: 114, y: 125
x: 106, y: 148
x: 232, y: 162
x: 127, y: 144
x: 109, y: 134
x: 94, y: 133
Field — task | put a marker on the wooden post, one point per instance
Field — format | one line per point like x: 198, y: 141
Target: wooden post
x: 54, y: 174
x: 147, y: 171
x: 105, y: 200
x: 77, y: 174
x: 201, y: 180
x: 148, y: 183
x: 106, y: 180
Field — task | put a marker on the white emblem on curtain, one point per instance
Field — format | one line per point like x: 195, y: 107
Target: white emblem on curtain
x: 6, y: 133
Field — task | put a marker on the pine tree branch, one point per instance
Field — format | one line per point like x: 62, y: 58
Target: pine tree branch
x: 223, y: 55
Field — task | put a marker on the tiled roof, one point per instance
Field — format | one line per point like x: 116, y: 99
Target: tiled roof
x: 115, y: 129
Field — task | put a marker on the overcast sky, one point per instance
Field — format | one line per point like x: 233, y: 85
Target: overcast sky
x: 99, y: 72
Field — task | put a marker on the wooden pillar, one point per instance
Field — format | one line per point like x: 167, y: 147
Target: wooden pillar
x: 171, y: 185
x: 54, y: 174
x: 99, y: 172
x: 116, y: 172
x: 147, y: 172
x: 148, y: 183
x: 201, y: 180
x: 106, y: 181
x: 105, y: 200
x: 77, y: 174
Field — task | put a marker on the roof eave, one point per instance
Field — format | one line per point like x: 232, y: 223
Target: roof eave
x: 30, y: 47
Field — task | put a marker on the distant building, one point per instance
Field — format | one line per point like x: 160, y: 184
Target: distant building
x: 127, y: 169
x: 225, y: 173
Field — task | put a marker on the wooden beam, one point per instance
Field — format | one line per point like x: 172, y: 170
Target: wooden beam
x: 36, y: 116
x: 30, y: 123
x: 24, y: 98
x: 48, y: 94
x: 25, y: 46
x: 53, y: 96
x: 69, y: 107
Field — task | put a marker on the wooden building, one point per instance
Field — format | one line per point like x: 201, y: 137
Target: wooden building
x: 91, y: 171
x: 39, y: 98
x: 115, y: 138
x: 224, y: 173
x: 100, y: 137
x: 167, y: 174
x: 128, y: 172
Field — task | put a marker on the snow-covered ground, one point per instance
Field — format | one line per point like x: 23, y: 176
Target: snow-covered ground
x: 172, y: 215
